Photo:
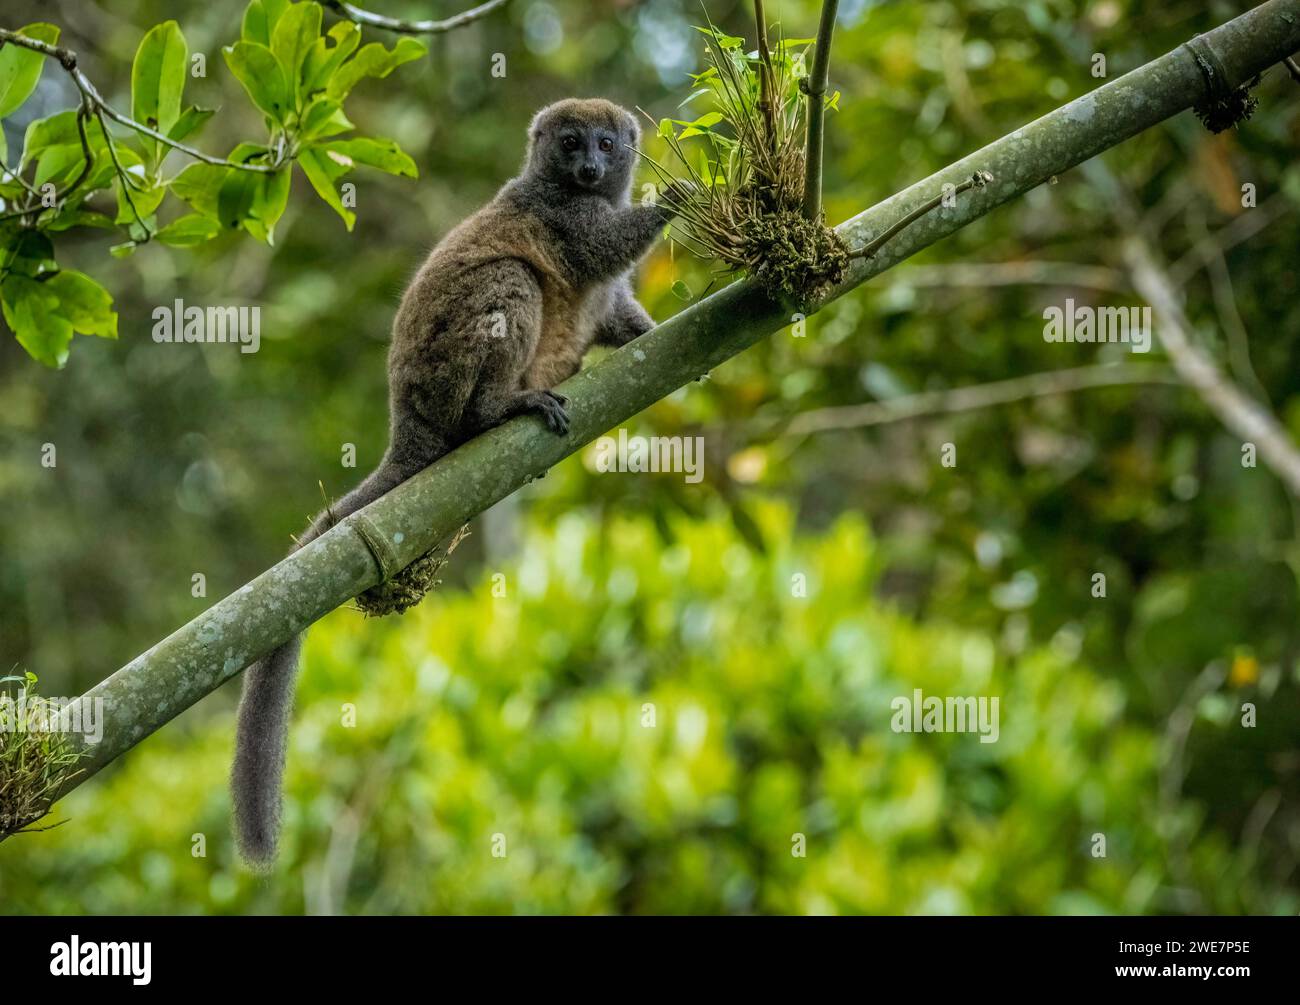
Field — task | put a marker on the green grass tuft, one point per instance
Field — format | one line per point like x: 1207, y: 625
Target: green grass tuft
x: 34, y: 762
x: 741, y: 201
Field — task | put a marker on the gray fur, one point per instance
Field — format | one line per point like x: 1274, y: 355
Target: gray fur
x: 502, y: 310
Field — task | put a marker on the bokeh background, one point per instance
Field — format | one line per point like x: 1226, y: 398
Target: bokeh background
x: 524, y: 714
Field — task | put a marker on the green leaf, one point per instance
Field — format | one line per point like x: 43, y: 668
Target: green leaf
x: 79, y: 218
x: 372, y: 60
x: 158, y: 78
x: 146, y: 200
x: 748, y: 528
x: 324, y: 118
x: 723, y: 40
x: 45, y: 314
x: 253, y: 201
x: 31, y: 311
x: 54, y: 143
x: 189, y: 230
x: 31, y: 255
x: 700, y: 125
x: 20, y: 69
x: 189, y: 120
x: 324, y: 59
x: 321, y: 172
x: 235, y: 198
x: 57, y: 130
x: 57, y: 164
x: 199, y: 185
x: 373, y: 152
x: 86, y: 304
x: 292, y: 39
x: 269, y: 201
x: 257, y: 69
x: 260, y: 19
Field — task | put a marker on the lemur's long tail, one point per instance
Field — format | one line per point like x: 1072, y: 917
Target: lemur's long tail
x: 261, y: 735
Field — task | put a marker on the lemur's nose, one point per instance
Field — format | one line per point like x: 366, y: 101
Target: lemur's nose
x: 589, y: 172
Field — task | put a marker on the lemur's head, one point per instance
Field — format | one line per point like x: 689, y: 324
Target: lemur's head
x: 589, y: 144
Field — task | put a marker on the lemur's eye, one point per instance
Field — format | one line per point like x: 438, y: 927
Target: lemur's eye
x: 570, y: 143
x: 607, y: 144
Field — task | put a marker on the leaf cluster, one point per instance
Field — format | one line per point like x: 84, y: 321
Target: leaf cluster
x: 74, y: 170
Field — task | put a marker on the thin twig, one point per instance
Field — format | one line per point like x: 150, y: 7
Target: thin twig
x: 978, y: 179
x: 123, y: 178
x: 1244, y: 227
x: 6, y: 174
x: 1028, y: 273
x: 83, y: 113
x: 968, y: 399
x: 1293, y: 68
x: 367, y: 19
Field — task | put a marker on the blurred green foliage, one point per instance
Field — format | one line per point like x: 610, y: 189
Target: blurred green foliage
x: 650, y: 729
x: 1120, y: 715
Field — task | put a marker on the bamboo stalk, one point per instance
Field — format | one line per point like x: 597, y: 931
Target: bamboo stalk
x: 816, y: 90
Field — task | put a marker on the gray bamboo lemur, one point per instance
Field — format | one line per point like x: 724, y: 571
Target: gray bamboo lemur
x: 502, y: 310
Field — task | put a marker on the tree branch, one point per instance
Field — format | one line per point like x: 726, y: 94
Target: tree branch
x: 1234, y: 408
x: 367, y: 19
x: 405, y: 524
x: 1033, y: 273
x: 969, y: 399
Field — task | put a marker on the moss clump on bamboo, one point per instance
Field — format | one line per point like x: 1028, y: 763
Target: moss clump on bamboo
x: 35, y: 760
x: 407, y: 588
x: 798, y: 258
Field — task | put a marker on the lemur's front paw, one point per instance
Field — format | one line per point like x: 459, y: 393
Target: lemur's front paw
x: 550, y: 406
x: 635, y: 328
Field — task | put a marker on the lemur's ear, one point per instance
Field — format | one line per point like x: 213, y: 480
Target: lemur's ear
x: 537, y: 126
x: 632, y: 128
